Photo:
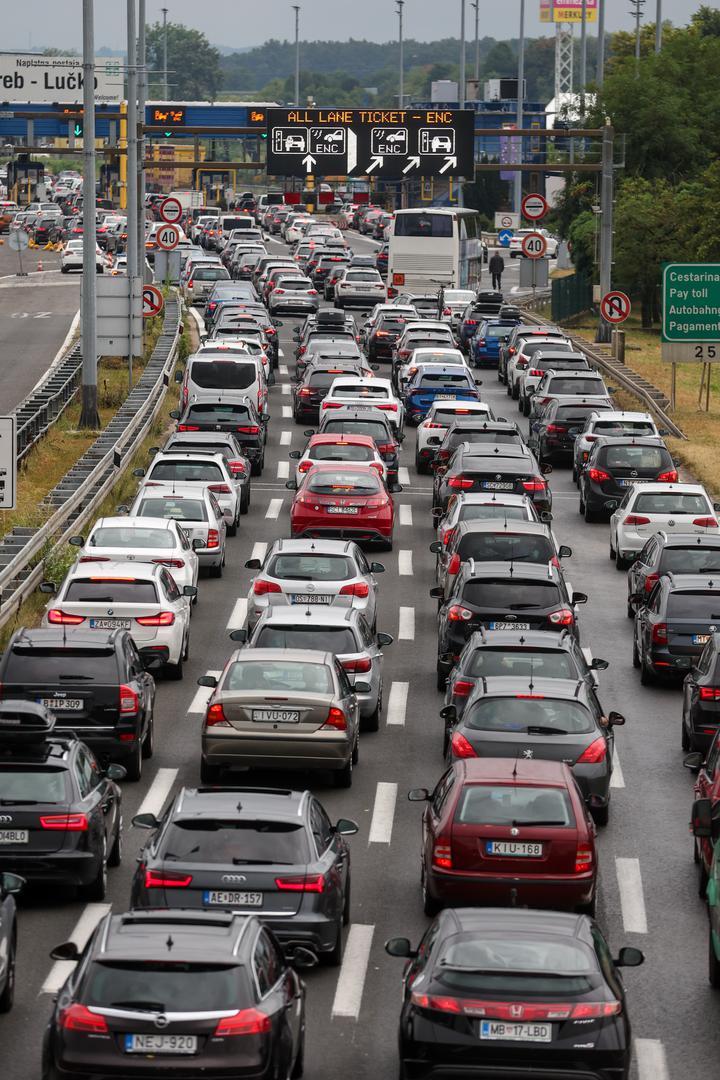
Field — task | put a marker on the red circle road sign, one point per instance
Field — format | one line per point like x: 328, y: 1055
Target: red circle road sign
x: 534, y: 245
x: 167, y: 237
x: 152, y: 301
x: 615, y: 306
x: 534, y: 207
x: 171, y: 211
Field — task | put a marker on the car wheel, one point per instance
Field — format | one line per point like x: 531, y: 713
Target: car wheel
x: 526, y: 407
x: 590, y: 515
x: 245, y: 500
x: 372, y: 722
x: 343, y: 777
x: 581, y: 504
x: 635, y: 653
x: 8, y: 995
x: 601, y: 814
x: 703, y: 881
x: 441, y: 679
x: 334, y: 957
x: 96, y: 890
x: 613, y: 553
x: 346, y: 903
x: 133, y: 764
x: 257, y: 466
x: 713, y: 964
x: 621, y: 563
x: 216, y: 571
x: 685, y: 740
x: 115, y: 856
x: 420, y: 466
x: 209, y: 774
x: 232, y: 529
x: 148, y: 743
x: 175, y: 671
x: 430, y: 906
x: 575, y: 475
x: 630, y: 611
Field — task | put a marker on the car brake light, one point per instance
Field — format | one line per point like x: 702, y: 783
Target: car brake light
x: 462, y: 687
x: 56, y: 617
x: 244, y: 1022
x: 262, y: 587
x: 461, y: 748
x: 454, y: 564
x: 188, y: 427
x: 357, y: 665
x: 65, y: 822
x: 471, y: 322
x: 709, y: 693
x: 165, y: 879
x: 79, y: 1018
x: 464, y: 483
x: 457, y: 613
x: 536, y: 372
x: 163, y: 618
x: 190, y: 284
x: 305, y: 391
x: 177, y: 564
x: 706, y: 522
x: 562, y: 617
x: 594, y: 753
x: 553, y: 429
x: 221, y: 489
x: 357, y: 588
x: 598, y: 475
x: 650, y: 581
x: 386, y: 448
x: 447, y: 536
x: 251, y: 430
x: 129, y: 700
x: 388, y: 407
x: 314, y: 883
x: 94, y: 558
x: 442, y: 856
x: 213, y: 538
x: 215, y: 715
x: 583, y: 860
x: 537, y: 484
x: 668, y: 477
x: 659, y: 633
x: 636, y: 519
x: 335, y: 719
x: 509, y: 1010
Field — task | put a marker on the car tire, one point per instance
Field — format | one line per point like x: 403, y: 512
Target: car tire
x: 148, y: 743
x: 601, y: 815
x: 713, y: 964
x: 420, y: 466
x: 257, y: 466
x: 430, y: 906
x: 581, y: 504
x: 232, y: 529
x: 8, y: 995
x: 613, y: 553
x: 115, y: 856
x: 589, y: 909
x: 630, y: 611
x: 372, y: 722
x: 245, y: 501
x: 343, y: 777
x: 133, y: 764
x: 346, y: 902
x: 175, y: 672
x: 441, y: 678
x: 96, y: 890
x: 575, y: 475
x: 621, y: 564
x: 635, y: 654
x: 685, y: 740
x: 216, y: 571
x: 526, y: 407
x: 702, y: 881
x: 334, y: 957
x: 590, y: 515
x: 299, y: 1064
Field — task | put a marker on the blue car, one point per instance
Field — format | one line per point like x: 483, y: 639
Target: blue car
x: 484, y: 346
x: 437, y: 382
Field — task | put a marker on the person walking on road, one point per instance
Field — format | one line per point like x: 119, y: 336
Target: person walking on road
x: 496, y: 267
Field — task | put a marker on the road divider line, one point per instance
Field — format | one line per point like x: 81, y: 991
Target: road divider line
x: 283, y: 470
x: 403, y: 475
x: 285, y: 387
x: 397, y: 703
x: 351, y: 981
x: 282, y: 368
x: 405, y: 563
x: 651, y: 1060
x: 285, y: 438
x: 158, y: 792
x: 632, y: 901
x: 381, y: 826
x: 259, y: 550
x: 286, y: 411
x: 84, y: 927
x: 239, y: 614
x: 617, y: 780
x: 405, y: 514
x: 274, y: 508
x: 203, y: 695
x: 406, y: 629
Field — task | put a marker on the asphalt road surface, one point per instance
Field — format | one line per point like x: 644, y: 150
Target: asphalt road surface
x: 648, y: 883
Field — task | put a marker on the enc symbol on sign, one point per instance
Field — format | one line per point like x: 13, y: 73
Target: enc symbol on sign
x: 534, y: 245
x: 152, y: 301
x: 168, y: 237
x: 171, y: 211
x: 615, y: 307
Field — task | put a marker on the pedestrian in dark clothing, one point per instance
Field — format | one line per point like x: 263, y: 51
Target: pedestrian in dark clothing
x: 496, y: 267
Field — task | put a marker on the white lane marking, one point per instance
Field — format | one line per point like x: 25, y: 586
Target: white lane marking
x: 406, y: 629
x: 281, y: 353
x: 381, y: 826
x: 158, y: 792
x: 351, y: 981
x: 238, y: 615
x: 405, y: 563
x: 285, y: 438
x: 282, y: 369
x: 259, y: 550
x: 203, y: 694
x: 285, y: 387
x: 651, y: 1060
x: 286, y: 412
x: 405, y: 514
x: 632, y: 901
x: 84, y: 927
x: 274, y: 508
x: 617, y: 780
x: 283, y: 470
x: 403, y: 475
x: 397, y: 703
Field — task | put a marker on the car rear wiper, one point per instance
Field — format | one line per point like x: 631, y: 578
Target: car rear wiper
x: 97, y: 599
x: 538, y: 823
x: 78, y: 678
x: 298, y: 577
x: 259, y: 862
x: 522, y: 607
x: 539, y: 730
x: 18, y: 802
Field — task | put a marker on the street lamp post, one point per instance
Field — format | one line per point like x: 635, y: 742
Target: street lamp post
x: 400, y: 4
x: 462, y: 87
x: 296, y: 9
x: 521, y: 79
x: 165, y: 44
x: 476, y: 5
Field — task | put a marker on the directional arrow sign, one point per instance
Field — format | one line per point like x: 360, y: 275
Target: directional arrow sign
x: 413, y: 163
x: 308, y: 162
x: 450, y: 163
x: 376, y: 163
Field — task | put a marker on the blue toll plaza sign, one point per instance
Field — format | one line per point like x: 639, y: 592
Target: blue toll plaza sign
x: 504, y: 237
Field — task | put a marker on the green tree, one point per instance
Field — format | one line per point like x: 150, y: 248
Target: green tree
x: 706, y: 21
x: 500, y: 62
x: 193, y: 64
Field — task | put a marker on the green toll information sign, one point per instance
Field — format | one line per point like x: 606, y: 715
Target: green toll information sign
x: 691, y: 312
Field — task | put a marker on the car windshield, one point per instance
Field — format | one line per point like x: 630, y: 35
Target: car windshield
x: 341, y: 452
x: 507, y: 594
x: 186, y: 471
x: 493, y: 512
x: 311, y: 567
x: 703, y: 606
x: 527, y: 713
x: 661, y: 502
x: 636, y: 457
x: 111, y: 590
x: 436, y: 380
x: 217, y: 412
x: 166, y: 986
x: 222, y: 374
x: 274, y: 675
x: 505, y: 547
x: 336, y: 639
x: 517, y: 963
x: 23, y: 783
x: 176, y: 507
x: 236, y: 843
x: 133, y: 537
x: 344, y: 483
x: 512, y: 804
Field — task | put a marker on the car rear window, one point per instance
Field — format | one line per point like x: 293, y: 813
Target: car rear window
x: 335, y: 639
x: 661, y: 502
x: 566, y: 385
x: 479, y: 435
x: 340, y: 483
x: 528, y: 715
x: 530, y: 347
x: 450, y: 413
x: 522, y: 663
x: 170, y: 985
x: 210, y: 273
x: 690, y: 560
x: 518, y: 963
x: 511, y: 804
x: 374, y: 428
x: 433, y: 381
x: 311, y: 567
x: 294, y: 284
x: 623, y: 427
x: 178, y: 508
x: 100, y: 590
x: 575, y: 414
x: 275, y: 675
x: 36, y: 663
x: 134, y: 537
x: 341, y: 452
x: 493, y: 512
x: 503, y: 332
x: 702, y: 605
x: 222, y: 374
x: 511, y: 595
x: 217, y: 412
x: 186, y: 471
x: 635, y: 457
x: 236, y: 842
x: 503, y: 547
x: 26, y: 784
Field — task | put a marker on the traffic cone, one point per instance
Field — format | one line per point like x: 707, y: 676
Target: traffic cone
x: 40, y: 265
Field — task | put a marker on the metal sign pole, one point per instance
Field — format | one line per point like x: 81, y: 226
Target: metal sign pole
x: 89, y: 413
x: 142, y: 93
x: 132, y: 170
x: 606, y: 223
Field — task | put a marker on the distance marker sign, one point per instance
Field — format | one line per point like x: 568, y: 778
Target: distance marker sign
x: 167, y: 237
x: 534, y: 207
x: 171, y: 211
x: 387, y: 143
x: 615, y: 306
x: 534, y: 245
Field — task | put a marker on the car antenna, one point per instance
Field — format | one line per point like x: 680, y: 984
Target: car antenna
x: 169, y: 943
x: 514, y: 772
x: 532, y: 663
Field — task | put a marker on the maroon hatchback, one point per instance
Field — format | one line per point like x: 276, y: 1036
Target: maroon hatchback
x: 502, y: 831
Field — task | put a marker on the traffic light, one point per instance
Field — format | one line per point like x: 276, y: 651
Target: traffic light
x: 78, y: 128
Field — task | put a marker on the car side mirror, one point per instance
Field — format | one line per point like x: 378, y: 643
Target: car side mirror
x: 449, y: 714
x: 629, y: 956
x: 190, y: 590
x: 596, y: 664
x: 546, y: 517
x: 384, y: 639
x: 240, y: 635
x: 437, y: 593
x: 295, y: 455
x: 175, y: 414
x: 11, y: 883
x: 265, y: 417
x: 716, y: 506
x: 478, y: 382
x: 146, y: 821
x: 615, y: 719
x: 395, y: 489
x: 76, y: 541
x: 291, y: 485
x: 362, y: 687
x: 400, y: 946
x: 377, y: 568
x: 564, y: 551
x: 178, y: 376
x: 47, y: 587
x: 67, y: 951
x: 701, y: 818
x: 302, y: 958
x: 253, y: 564
x: 197, y: 544
x: 346, y: 827
x: 418, y: 794
x: 436, y: 547
x: 207, y: 680
x: 309, y: 432
x: 123, y: 508
x: 579, y: 598
x: 694, y: 762
x: 546, y: 468
x: 116, y: 772
x: 373, y: 367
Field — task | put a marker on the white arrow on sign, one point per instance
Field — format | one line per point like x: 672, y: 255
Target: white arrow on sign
x: 376, y: 163
x: 308, y: 162
x: 413, y: 163
x: 351, y: 150
x: 450, y: 163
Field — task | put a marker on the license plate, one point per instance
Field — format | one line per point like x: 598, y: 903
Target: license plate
x: 110, y: 624
x: 14, y: 836
x: 498, y: 485
x: 500, y: 1029
x: 343, y: 509
x: 310, y: 598
x: 276, y: 716
x: 634, y: 480
x: 445, y: 397
x: 161, y: 1044
x: 509, y: 847
x: 61, y: 704
x: 509, y: 625
x: 700, y: 639
x: 225, y: 897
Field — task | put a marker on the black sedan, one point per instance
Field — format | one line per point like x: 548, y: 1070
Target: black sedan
x: 614, y: 465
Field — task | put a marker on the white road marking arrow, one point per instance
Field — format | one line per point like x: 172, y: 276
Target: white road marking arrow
x: 308, y: 162
x: 376, y: 163
x: 413, y: 163
x: 450, y: 163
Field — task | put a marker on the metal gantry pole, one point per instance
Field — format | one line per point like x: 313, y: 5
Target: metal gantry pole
x: 296, y: 9
x: 583, y: 54
x: 400, y: 4
x: 132, y: 173
x: 165, y: 45
x: 518, y: 183
x: 142, y: 94
x: 461, y: 88
x: 476, y: 5
x: 658, y: 25
x: 89, y: 412
x: 606, y: 223
x: 600, y: 69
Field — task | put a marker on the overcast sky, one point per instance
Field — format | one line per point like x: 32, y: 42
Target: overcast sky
x: 239, y: 23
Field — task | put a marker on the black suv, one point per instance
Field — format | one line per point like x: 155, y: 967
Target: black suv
x: 488, y: 467
x: 500, y: 596
x: 553, y: 431
x: 253, y: 849
x: 385, y: 332
x: 672, y: 553
x: 239, y: 416
x: 178, y: 993
x: 62, y: 823
x: 97, y: 685
x: 673, y: 624
x: 614, y: 465
x: 701, y: 699
x: 373, y: 422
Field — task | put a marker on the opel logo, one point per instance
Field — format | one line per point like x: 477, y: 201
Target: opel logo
x: 516, y: 1011
x: 233, y: 877
x: 310, y: 587
x: 160, y: 1021
x: 528, y: 753
x: 712, y: 629
x: 5, y: 819
x: 634, y: 472
x: 498, y: 476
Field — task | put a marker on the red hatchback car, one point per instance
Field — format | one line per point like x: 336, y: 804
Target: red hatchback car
x: 502, y: 831
x: 348, y: 502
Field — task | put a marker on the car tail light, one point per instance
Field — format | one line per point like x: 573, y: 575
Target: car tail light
x: 709, y: 693
x: 332, y: 405
x: 386, y: 448
x: 253, y: 429
x: 553, y: 429
x: 454, y: 564
x: 237, y: 468
x: 480, y: 341
x: 305, y: 391
x: 471, y: 322
x: 129, y: 700
x: 278, y: 292
x: 461, y: 748
x: 314, y: 883
x: 94, y: 558
x: 462, y: 687
x: 163, y: 618
x: 57, y: 617
x: 442, y: 856
x: 357, y: 665
x: 65, y: 822
x: 457, y: 613
x: 220, y: 489
x: 357, y: 588
x: 388, y: 407
x: 599, y: 475
x: 431, y: 424
x: 335, y: 719
x: 510, y: 1010
x: 382, y: 333
x: 594, y: 753
x: 706, y: 522
x: 447, y: 536
x: 213, y: 538
x: 659, y: 634
x: 536, y: 373
x: 583, y: 860
x: 190, y: 284
x: 188, y: 427
x: 561, y: 617
x: 165, y: 879
x: 262, y: 587
x: 244, y: 1022
x: 590, y: 438
x: 650, y: 582
x: 463, y: 483
x: 537, y: 484
x: 378, y: 467
x: 176, y: 564
x: 312, y: 292
x: 79, y: 1018
x: 636, y: 519
x: 670, y: 476
x: 215, y: 715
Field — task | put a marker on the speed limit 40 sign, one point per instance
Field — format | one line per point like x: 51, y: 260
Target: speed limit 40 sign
x: 534, y: 245
x: 167, y: 237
